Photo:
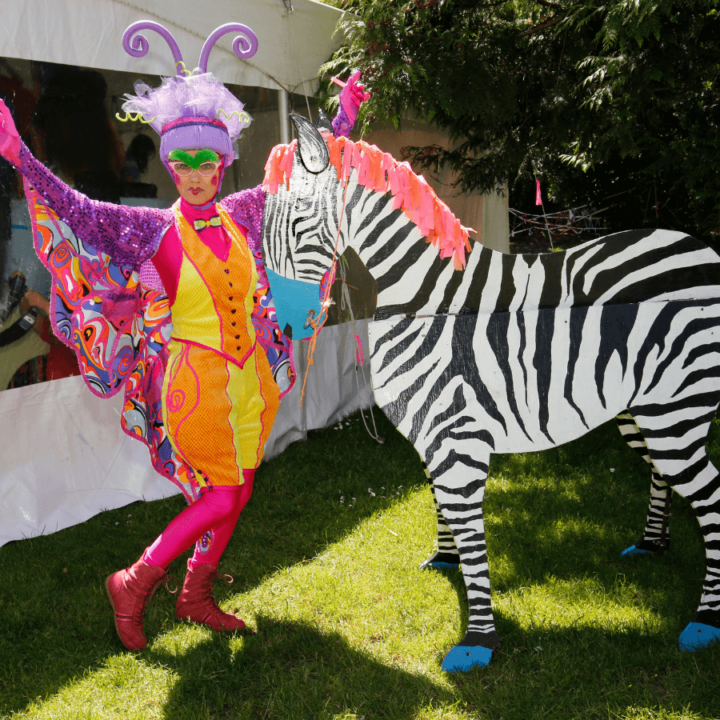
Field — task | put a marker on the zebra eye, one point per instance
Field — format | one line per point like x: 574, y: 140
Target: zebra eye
x: 304, y: 204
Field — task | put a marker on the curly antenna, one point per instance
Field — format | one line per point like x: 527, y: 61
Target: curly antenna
x: 242, y: 116
x: 138, y: 45
x: 181, y: 69
x: 129, y: 117
x: 244, y: 46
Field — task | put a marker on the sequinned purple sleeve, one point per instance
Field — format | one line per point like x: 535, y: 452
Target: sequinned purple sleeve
x: 129, y: 235
x: 341, y: 125
x: 246, y: 208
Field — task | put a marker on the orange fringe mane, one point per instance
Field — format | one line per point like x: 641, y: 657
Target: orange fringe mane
x: 380, y: 172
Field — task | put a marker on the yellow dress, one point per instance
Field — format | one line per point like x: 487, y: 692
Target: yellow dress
x: 219, y: 397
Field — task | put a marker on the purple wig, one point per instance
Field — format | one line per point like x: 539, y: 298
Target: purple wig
x: 189, y: 112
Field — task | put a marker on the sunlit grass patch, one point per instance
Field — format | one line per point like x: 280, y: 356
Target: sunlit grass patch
x: 126, y: 686
x: 580, y: 604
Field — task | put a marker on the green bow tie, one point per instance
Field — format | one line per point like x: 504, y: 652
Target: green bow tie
x: 214, y: 221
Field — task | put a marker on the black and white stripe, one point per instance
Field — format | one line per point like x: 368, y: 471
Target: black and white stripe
x: 656, y: 537
x: 523, y: 353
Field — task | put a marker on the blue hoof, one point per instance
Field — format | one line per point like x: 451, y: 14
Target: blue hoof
x: 435, y: 565
x: 697, y: 636
x: 463, y: 657
x: 632, y: 550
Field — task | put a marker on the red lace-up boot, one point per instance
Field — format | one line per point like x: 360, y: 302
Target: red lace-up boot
x: 197, y: 604
x: 129, y: 591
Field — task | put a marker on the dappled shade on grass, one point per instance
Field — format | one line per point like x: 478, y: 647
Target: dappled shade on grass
x: 342, y: 624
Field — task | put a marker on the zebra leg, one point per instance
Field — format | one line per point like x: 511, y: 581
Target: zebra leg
x: 656, y: 537
x: 704, y: 496
x: 446, y: 556
x: 679, y: 453
x: 459, y: 488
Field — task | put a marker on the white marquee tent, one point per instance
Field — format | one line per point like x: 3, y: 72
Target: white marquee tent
x: 292, y: 45
x: 63, y: 456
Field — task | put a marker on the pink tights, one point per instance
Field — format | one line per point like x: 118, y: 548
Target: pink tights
x: 209, y: 523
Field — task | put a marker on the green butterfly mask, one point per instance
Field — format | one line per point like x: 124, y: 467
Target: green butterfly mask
x: 194, y: 162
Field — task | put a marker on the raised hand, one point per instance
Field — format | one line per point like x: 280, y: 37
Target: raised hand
x: 352, y: 96
x: 9, y: 138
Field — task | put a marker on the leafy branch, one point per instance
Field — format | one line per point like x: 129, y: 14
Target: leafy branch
x: 594, y: 97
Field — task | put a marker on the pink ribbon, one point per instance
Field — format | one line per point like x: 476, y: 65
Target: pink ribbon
x: 359, y: 351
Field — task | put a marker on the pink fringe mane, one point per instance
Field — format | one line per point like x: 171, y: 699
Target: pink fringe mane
x: 380, y: 172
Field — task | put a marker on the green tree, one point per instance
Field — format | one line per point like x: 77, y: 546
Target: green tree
x: 617, y: 99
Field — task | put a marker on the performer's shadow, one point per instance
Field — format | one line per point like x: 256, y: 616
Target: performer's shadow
x: 309, y: 665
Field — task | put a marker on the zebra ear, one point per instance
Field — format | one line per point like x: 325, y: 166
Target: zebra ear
x: 313, y: 150
x: 323, y: 121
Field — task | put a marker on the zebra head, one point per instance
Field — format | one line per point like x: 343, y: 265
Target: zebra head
x: 301, y: 217
x: 300, y: 227
x: 325, y: 194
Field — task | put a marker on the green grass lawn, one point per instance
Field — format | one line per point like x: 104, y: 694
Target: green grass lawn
x: 341, y: 622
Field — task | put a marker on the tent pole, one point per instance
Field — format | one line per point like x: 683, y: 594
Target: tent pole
x: 284, y: 116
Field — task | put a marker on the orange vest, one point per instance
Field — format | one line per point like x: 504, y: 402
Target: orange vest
x: 214, y: 297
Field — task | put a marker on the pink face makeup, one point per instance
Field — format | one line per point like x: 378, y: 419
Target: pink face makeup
x: 196, y: 188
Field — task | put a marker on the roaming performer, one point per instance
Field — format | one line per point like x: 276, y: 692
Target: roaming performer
x: 174, y: 307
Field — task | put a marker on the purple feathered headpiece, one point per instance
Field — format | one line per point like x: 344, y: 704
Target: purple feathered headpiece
x: 192, y: 109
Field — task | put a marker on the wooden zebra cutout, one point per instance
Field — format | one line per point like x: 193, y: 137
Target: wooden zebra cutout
x: 506, y: 354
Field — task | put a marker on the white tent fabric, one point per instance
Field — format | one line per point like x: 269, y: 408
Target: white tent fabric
x: 65, y: 457
x: 88, y: 33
